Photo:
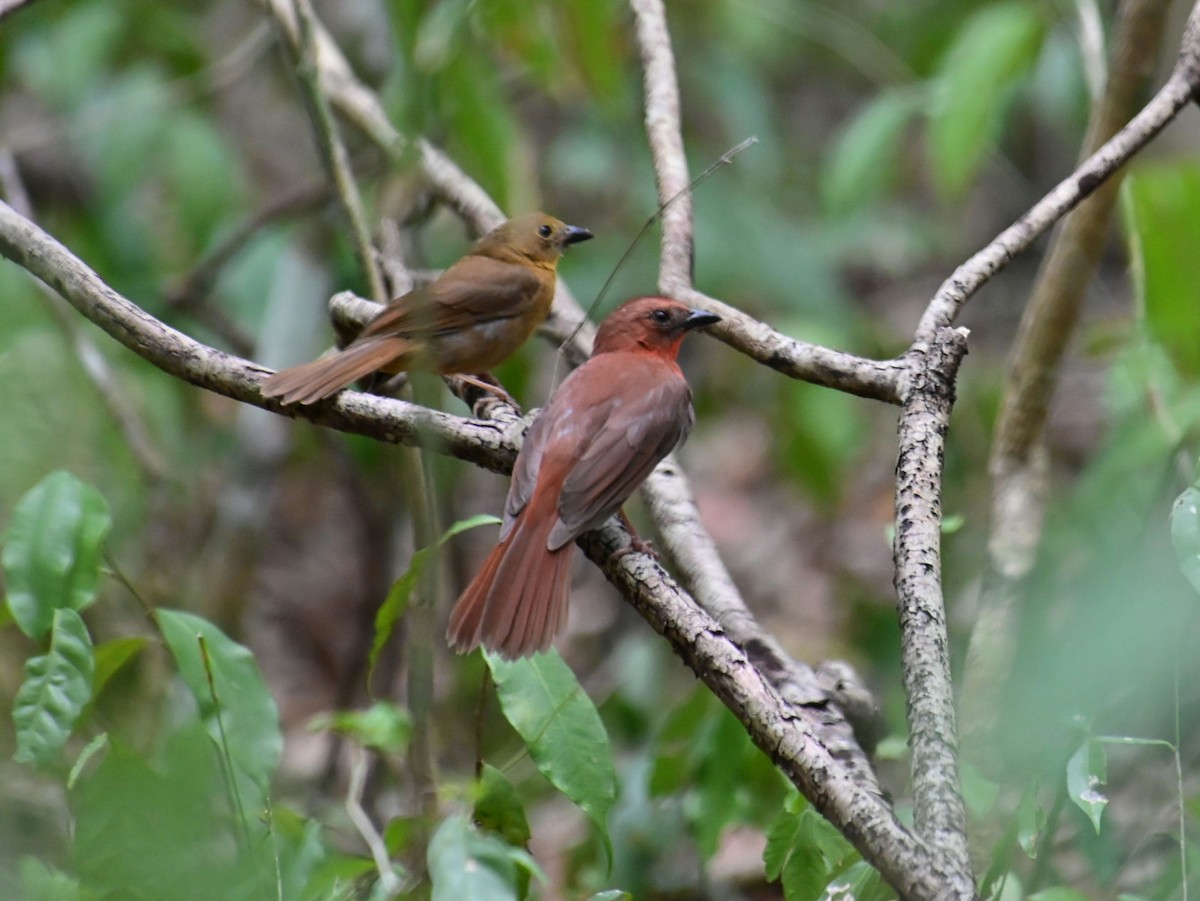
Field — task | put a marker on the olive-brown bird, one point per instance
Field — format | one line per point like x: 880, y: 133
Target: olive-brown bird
x: 472, y: 317
x: 602, y: 433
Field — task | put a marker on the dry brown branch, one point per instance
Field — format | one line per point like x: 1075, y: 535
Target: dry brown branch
x: 1019, y: 467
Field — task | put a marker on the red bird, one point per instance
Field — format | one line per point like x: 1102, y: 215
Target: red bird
x: 604, y: 430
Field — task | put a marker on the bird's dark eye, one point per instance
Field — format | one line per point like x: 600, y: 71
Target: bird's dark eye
x: 545, y: 231
x: 662, y: 317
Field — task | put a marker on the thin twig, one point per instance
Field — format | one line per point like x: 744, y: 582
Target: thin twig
x: 329, y: 142
x: 389, y: 882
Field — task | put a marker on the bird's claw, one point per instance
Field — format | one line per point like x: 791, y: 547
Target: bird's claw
x: 636, y: 546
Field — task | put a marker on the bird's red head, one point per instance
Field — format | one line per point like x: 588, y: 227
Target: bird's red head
x: 656, y: 324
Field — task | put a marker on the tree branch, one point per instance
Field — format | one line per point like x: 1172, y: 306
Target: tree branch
x: 924, y: 644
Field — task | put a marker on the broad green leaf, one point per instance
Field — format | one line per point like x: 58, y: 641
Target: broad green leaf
x: 57, y: 686
x: 41, y: 882
x: 781, y: 839
x: 1087, y: 772
x: 859, y: 881
x: 242, y: 715
x: 543, y: 701
x: 398, y: 597
x: 111, y: 656
x: 498, y: 809
x: 1162, y: 212
x: 862, y: 165
x: 52, y: 550
x: 804, y: 874
x: 823, y: 835
x: 383, y: 726
x: 994, y: 49
x: 466, y: 863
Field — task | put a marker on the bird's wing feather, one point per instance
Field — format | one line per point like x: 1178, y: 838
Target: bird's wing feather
x: 476, y: 289
x: 626, y: 441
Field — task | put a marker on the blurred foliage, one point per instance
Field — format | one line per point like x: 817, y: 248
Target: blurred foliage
x: 894, y: 139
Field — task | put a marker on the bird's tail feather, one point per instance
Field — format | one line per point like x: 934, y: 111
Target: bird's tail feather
x: 518, y: 601
x: 311, y: 382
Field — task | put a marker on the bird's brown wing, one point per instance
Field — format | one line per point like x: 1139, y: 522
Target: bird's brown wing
x: 474, y: 290
x: 632, y: 434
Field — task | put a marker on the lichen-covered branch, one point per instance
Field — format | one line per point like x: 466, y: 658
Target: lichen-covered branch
x: 924, y: 644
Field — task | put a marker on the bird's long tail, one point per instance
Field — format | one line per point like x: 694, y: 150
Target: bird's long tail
x: 517, y: 602
x: 311, y: 382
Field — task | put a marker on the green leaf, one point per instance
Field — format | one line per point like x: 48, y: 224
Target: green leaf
x: 1087, y: 772
x: 465, y: 863
x: 498, y: 809
x: 52, y: 550
x: 57, y: 686
x: 384, y: 726
x: 111, y: 656
x: 561, y: 727
x: 41, y: 882
x: 242, y: 715
x: 859, y: 881
x: 862, y: 165
x: 804, y: 874
x: 781, y: 839
x: 804, y: 851
x: 398, y: 597
x: 1162, y: 212
x: 994, y: 49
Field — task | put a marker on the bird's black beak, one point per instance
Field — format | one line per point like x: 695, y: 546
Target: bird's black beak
x: 574, y: 234
x: 699, y: 319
